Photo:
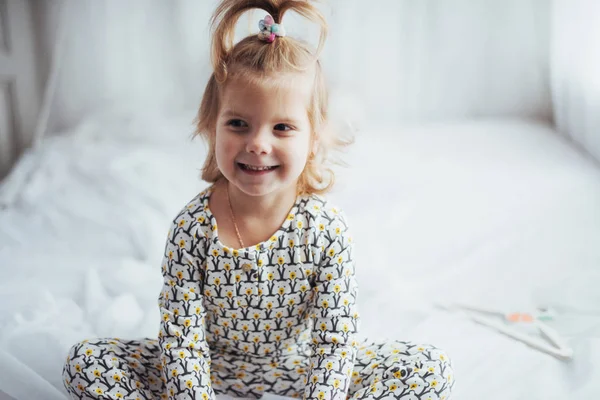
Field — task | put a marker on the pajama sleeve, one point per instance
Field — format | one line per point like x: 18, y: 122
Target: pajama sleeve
x: 335, y: 316
x: 185, y: 353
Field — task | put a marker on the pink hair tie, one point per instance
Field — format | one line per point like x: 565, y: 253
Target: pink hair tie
x: 269, y: 29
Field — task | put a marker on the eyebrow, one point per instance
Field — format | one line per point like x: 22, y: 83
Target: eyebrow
x: 280, y: 120
x: 231, y: 113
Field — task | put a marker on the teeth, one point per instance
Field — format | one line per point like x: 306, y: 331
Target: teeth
x: 250, y: 167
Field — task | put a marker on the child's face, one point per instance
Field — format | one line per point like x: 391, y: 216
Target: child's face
x: 263, y: 135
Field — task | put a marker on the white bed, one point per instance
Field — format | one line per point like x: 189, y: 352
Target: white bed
x: 493, y: 212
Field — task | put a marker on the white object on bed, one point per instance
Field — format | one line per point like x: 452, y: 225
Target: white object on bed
x: 549, y: 342
x: 269, y: 396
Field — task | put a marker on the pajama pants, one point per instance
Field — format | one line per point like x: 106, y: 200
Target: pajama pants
x: 120, y: 369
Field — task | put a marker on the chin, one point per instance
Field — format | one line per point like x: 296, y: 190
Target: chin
x: 254, y: 191
x: 263, y: 189
x: 257, y: 190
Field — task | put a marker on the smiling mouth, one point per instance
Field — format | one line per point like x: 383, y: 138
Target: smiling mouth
x: 256, y: 168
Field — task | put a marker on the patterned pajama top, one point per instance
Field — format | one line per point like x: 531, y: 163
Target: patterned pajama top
x: 296, y: 291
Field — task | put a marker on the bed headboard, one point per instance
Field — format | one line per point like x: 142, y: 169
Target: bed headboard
x: 19, y: 85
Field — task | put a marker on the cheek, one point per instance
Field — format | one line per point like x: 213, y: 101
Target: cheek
x: 297, y: 152
x: 223, y: 153
x: 224, y: 145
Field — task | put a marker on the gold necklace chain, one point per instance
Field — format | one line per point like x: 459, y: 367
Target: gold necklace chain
x: 237, y: 231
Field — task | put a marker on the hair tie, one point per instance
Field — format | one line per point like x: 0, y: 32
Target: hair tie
x: 269, y: 29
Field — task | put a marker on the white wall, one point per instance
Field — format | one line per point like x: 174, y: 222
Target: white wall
x: 575, y: 66
x: 19, y: 96
x: 46, y: 21
x: 406, y: 60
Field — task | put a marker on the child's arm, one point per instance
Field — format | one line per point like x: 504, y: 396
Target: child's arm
x: 335, y: 317
x: 185, y: 353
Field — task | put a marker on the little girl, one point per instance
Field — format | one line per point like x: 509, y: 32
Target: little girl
x: 259, y: 290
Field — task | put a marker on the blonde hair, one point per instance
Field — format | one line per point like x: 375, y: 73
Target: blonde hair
x: 256, y: 61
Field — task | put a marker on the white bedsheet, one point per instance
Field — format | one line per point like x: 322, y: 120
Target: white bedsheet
x: 501, y: 213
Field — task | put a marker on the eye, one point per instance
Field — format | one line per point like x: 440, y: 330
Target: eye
x: 283, y: 127
x: 236, y: 123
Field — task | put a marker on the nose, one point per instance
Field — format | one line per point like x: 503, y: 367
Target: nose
x: 259, y: 141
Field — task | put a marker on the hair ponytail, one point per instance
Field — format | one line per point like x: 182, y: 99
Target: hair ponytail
x: 227, y: 15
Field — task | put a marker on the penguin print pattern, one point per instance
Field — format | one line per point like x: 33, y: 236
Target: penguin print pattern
x: 279, y: 317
